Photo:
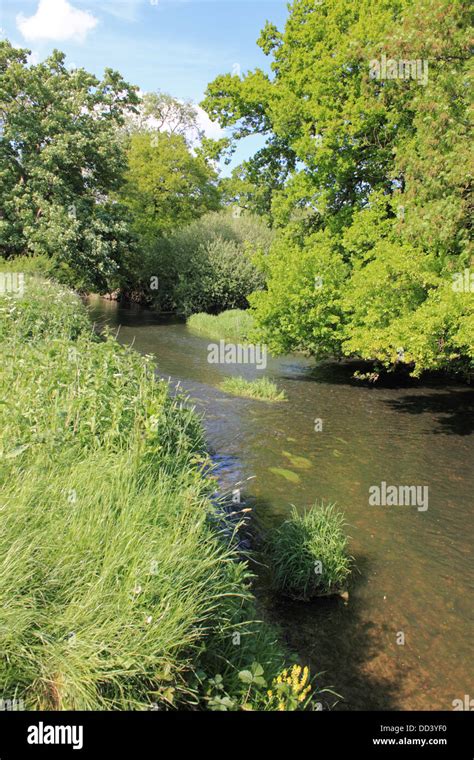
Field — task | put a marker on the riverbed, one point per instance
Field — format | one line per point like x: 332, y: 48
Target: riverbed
x: 333, y: 440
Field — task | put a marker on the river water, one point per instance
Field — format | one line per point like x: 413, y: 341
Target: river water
x: 414, y: 575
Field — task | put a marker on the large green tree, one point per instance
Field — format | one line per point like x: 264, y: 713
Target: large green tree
x: 60, y: 160
x: 366, y: 178
x: 166, y: 183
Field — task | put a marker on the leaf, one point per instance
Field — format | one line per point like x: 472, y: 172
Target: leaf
x: 257, y: 669
x: 246, y: 676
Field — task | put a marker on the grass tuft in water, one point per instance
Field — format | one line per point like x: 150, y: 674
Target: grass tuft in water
x: 262, y: 389
x: 308, y: 553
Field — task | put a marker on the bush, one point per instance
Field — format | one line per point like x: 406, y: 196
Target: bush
x: 206, y: 266
x: 44, y: 310
x: 262, y: 389
x: 308, y: 554
x: 234, y: 324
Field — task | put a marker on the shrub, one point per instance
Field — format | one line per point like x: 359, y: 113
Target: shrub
x: 44, y: 310
x: 206, y: 266
x: 262, y: 389
x: 308, y: 554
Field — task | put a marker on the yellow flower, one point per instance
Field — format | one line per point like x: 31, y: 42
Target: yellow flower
x: 305, y: 676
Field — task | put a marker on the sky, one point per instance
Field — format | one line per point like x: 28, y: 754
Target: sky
x: 177, y: 46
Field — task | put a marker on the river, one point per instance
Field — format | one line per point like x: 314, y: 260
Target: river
x: 414, y: 570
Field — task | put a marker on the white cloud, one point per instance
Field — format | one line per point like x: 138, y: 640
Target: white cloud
x: 210, y: 128
x: 33, y: 58
x: 56, y: 20
x: 204, y: 124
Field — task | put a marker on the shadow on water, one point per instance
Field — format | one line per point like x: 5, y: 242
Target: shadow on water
x: 454, y: 411
x: 341, y: 372
x: 338, y: 643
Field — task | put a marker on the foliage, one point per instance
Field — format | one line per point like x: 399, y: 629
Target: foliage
x: 300, y: 309
x: 166, y: 185
x: 290, y: 690
x: 161, y: 112
x: 307, y: 553
x: 43, y: 310
x: 206, y: 266
x: 262, y: 389
x: 60, y: 161
x: 233, y: 324
x: 365, y: 177
x: 120, y: 595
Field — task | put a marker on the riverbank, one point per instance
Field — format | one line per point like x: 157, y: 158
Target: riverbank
x: 118, y: 592
x: 333, y: 439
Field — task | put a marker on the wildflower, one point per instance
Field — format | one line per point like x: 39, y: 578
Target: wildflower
x: 305, y: 675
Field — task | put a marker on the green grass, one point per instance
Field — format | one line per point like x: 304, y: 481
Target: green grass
x: 117, y: 590
x: 262, y: 389
x: 308, y: 553
x: 234, y: 324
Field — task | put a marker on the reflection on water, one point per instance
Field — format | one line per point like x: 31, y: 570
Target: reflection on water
x: 415, y: 571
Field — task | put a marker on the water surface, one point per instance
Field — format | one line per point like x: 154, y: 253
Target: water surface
x: 415, y: 572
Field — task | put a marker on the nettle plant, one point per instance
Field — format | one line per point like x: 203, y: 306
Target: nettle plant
x: 308, y: 554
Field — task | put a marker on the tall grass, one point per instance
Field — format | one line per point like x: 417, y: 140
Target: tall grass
x: 308, y: 553
x: 262, y: 389
x: 234, y: 324
x: 117, y: 591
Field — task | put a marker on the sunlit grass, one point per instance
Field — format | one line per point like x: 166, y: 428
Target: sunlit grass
x: 308, y: 553
x: 262, y: 388
x: 234, y: 324
x: 118, y: 590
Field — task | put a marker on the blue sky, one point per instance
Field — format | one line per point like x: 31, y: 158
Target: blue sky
x: 173, y: 45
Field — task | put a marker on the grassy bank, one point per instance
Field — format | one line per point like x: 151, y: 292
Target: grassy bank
x: 117, y: 591
x: 234, y: 324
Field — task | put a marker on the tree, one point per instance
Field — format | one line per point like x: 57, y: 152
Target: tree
x: 368, y: 172
x: 60, y: 161
x: 166, y: 184
x: 161, y: 112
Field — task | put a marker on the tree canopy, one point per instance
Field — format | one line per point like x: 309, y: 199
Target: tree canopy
x: 365, y: 177
x: 60, y: 161
x: 166, y: 184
